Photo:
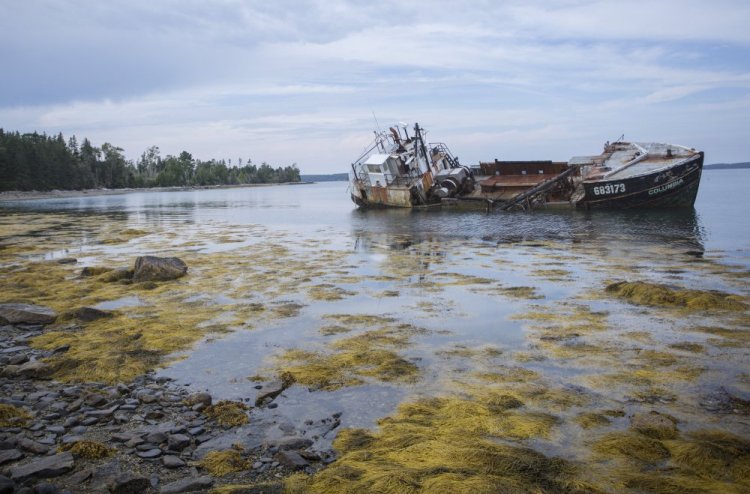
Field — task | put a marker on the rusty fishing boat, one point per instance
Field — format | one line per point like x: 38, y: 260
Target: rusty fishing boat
x: 402, y: 170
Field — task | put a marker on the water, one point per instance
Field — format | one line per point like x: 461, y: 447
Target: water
x: 405, y: 264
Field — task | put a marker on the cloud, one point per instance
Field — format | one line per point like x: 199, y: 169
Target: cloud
x: 298, y: 81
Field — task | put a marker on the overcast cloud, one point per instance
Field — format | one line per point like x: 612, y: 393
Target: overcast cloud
x: 298, y: 81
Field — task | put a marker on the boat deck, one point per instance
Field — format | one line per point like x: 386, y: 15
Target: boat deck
x: 626, y: 160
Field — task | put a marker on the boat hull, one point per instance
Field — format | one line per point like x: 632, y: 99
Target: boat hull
x: 675, y: 187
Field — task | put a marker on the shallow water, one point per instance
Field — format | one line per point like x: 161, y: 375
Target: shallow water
x: 449, y: 274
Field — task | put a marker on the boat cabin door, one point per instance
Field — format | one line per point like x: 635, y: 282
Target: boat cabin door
x: 377, y: 169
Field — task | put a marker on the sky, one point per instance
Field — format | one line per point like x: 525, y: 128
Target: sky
x: 308, y: 81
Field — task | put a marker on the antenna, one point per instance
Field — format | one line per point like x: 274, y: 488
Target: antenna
x: 376, y: 120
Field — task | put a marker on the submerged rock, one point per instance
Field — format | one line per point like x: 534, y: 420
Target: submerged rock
x: 152, y: 268
x: 26, y: 314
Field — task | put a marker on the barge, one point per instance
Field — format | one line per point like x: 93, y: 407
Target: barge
x: 402, y: 170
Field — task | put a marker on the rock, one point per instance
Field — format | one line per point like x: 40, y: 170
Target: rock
x: 654, y: 424
x: 26, y: 314
x: 291, y: 459
x: 9, y: 455
x: 27, y: 444
x: 46, y: 488
x: 87, y: 314
x: 67, y: 260
x: 156, y: 437
x: 187, y: 485
x: 10, y: 371
x: 49, y: 466
x: 122, y: 437
x: 7, y: 486
x: 151, y: 268
x: 94, y: 400
x: 19, y: 359
x: 35, y: 369
x: 270, y: 391
x: 107, y: 412
x: 116, y: 275
x: 178, y: 442
x: 149, y: 454
x: 129, y: 483
x: 94, y: 271
x: 196, y: 431
x: 172, y: 461
x: 195, y: 398
x: 289, y: 443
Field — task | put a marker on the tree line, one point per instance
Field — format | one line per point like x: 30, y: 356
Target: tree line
x: 36, y: 161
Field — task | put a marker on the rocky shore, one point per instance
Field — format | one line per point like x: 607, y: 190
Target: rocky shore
x: 148, y: 435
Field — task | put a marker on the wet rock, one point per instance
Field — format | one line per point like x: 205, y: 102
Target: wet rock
x: 7, y: 486
x: 49, y: 466
x: 156, y: 437
x: 116, y: 275
x: 172, y: 461
x: 149, y: 454
x: 87, y: 314
x: 46, y: 488
x: 196, y: 398
x: 187, y: 485
x: 654, y: 424
x: 129, y: 483
x: 151, y: 268
x: 8, y: 455
x: 26, y: 314
x: 34, y: 369
x: 67, y: 260
x: 270, y: 391
x: 291, y: 459
x: 178, y: 442
x: 290, y: 443
x: 31, y: 446
x: 94, y: 271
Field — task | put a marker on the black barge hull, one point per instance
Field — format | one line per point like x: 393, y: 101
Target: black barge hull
x: 675, y: 187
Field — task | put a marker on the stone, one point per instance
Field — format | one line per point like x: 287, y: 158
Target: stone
x: 46, y: 488
x: 94, y: 271
x: 67, y: 260
x: 654, y: 424
x: 26, y: 314
x: 18, y: 359
x: 35, y: 368
x: 121, y: 437
x: 10, y: 371
x: 156, y: 437
x: 196, y: 431
x: 107, y: 412
x: 172, y: 461
x: 187, y: 485
x: 129, y: 483
x: 196, y: 398
x: 152, y: 268
x: 290, y: 443
x: 7, y: 486
x: 178, y: 442
x: 31, y: 446
x: 87, y: 314
x: 270, y: 391
x: 49, y: 466
x: 291, y: 459
x: 149, y: 454
x: 116, y: 275
x: 8, y: 455
x: 94, y: 400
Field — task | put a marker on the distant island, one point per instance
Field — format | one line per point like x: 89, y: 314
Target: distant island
x: 34, y: 161
x: 727, y: 166
x: 331, y: 177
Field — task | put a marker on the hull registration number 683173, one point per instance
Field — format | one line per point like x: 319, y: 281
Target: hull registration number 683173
x: 603, y: 190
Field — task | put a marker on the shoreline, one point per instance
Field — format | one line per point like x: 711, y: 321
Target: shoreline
x: 31, y: 195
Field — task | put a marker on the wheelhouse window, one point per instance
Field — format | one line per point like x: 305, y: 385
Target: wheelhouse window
x: 374, y: 169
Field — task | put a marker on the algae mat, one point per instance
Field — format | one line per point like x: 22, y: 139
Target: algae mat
x: 458, y: 364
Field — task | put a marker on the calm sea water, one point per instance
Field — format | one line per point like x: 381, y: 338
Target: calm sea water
x: 718, y: 229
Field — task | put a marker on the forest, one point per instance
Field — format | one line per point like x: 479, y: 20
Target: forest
x: 34, y: 161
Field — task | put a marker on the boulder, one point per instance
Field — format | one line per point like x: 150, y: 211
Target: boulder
x: 172, y: 461
x: 26, y: 314
x: 129, y: 483
x: 49, y: 466
x: 152, y: 268
x: 654, y: 424
x: 8, y: 455
x: 187, y: 485
x: 35, y: 368
x: 86, y: 314
x: 291, y: 459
